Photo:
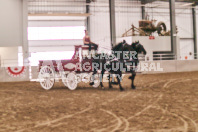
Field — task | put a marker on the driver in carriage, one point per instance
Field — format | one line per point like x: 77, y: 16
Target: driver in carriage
x: 87, y: 41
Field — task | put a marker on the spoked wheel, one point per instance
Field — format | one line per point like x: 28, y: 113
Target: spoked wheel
x: 161, y: 28
x: 85, y: 77
x: 72, y: 81
x: 46, y: 77
x: 96, y: 81
x: 64, y: 79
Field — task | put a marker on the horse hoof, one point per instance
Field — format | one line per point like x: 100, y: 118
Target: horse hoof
x: 110, y: 87
x: 133, y: 87
x: 121, y: 89
x: 115, y: 83
x: 92, y: 83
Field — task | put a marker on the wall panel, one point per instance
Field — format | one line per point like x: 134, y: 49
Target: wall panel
x: 11, y: 23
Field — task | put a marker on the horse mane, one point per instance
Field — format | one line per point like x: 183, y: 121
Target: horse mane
x: 134, y: 44
x: 117, y: 47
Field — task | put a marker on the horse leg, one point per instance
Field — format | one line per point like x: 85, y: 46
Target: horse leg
x: 92, y: 79
x: 132, y: 79
x: 119, y: 81
x: 101, y: 78
x: 110, y: 86
x: 96, y: 48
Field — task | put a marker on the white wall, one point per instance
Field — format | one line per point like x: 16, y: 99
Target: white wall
x: 169, y: 66
x: 125, y: 17
x: 187, y: 47
x: 128, y: 15
x: 6, y: 77
x: 99, y: 27
x: 9, y: 56
x: 13, y: 29
x: 184, y: 25
x: 11, y: 23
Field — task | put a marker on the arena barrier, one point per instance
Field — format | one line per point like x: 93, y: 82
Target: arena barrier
x: 14, y: 74
x: 167, y: 66
x: 173, y: 66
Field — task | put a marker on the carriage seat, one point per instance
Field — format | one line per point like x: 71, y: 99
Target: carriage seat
x: 86, y: 47
x: 85, y: 51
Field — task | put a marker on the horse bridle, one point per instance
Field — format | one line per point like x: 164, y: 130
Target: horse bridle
x: 137, y: 44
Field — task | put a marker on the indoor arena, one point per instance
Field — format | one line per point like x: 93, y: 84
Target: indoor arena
x: 98, y: 66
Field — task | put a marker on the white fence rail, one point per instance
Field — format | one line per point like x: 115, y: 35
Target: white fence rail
x: 168, y: 56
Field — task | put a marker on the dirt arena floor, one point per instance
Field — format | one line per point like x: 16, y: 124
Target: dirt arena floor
x: 161, y: 103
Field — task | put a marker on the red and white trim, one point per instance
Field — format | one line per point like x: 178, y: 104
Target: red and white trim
x: 16, y: 71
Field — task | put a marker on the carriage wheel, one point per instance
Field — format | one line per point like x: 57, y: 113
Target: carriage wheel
x: 64, y: 79
x: 72, y: 81
x: 46, y: 77
x: 96, y: 81
x: 161, y: 28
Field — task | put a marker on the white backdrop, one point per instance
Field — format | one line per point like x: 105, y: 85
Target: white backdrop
x: 11, y: 23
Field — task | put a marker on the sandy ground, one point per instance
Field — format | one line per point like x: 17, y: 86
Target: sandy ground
x: 161, y: 103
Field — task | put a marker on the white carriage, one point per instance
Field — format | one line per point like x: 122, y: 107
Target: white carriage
x: 71, y: 71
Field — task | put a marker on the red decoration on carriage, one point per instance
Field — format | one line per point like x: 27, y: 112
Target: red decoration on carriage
x: 71, y: 71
